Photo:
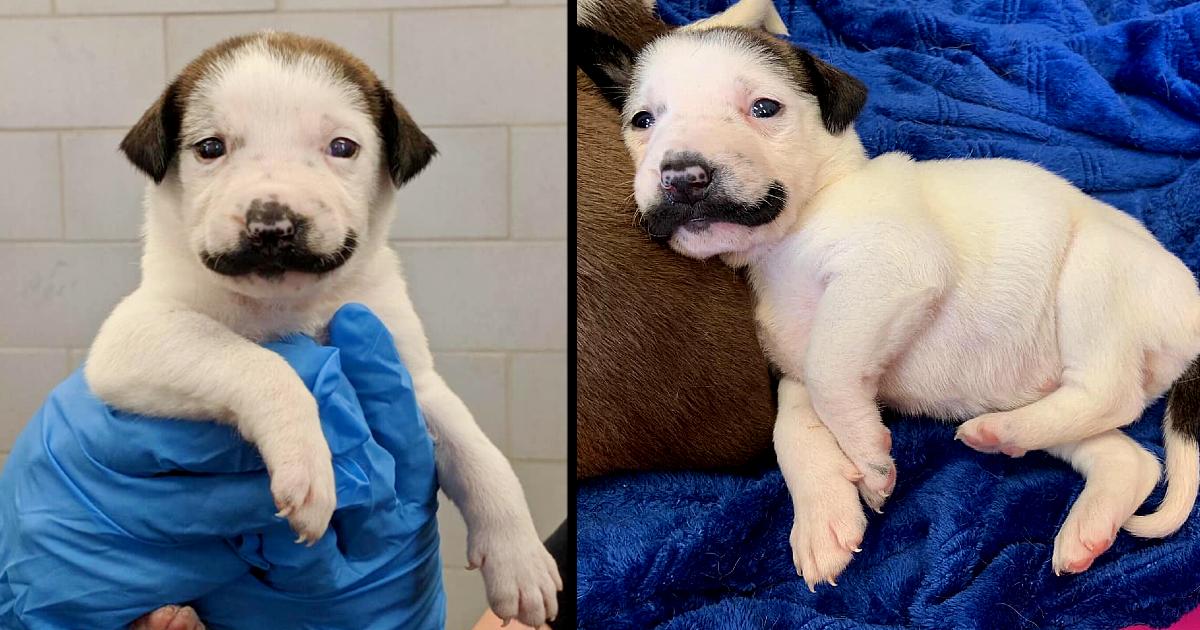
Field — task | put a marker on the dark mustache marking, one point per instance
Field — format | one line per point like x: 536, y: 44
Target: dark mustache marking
x: 273, y: 262
x: 662, y: 220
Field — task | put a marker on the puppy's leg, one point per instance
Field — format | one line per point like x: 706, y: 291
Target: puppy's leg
x: 829, y: 521
x: 1119, y: 475
x: 520, y: 575
x: 162, y: 359
x: 1075, y: 411
x: 1107, y: 370
x: 859, y: 327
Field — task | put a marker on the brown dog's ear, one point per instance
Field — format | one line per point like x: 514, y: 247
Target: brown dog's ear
x: 154, y: 140
x: 407, y: 148
x: 840, y: 95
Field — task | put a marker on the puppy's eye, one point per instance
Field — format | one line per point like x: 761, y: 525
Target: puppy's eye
x: 210, y: 148
x: 343, y: 148
x: 642, y: 120
x: 765, y: 108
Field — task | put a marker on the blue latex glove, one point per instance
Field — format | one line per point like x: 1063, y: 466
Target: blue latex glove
x: 105, y: 516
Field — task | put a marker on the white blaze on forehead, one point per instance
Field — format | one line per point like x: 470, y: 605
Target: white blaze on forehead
x: 257, y: 90
x: 694, y: 70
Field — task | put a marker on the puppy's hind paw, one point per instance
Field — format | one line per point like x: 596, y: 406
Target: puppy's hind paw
x: 520, y: 576
x: 989, y: 433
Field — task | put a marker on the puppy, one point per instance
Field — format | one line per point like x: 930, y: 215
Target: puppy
x: 274, y: 160
x: 664, y: 380
x: 978, y: 290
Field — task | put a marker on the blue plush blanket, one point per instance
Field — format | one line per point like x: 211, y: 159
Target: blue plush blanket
x: 1107, y: 95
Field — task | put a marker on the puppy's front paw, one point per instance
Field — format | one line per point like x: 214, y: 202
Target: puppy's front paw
x: 828, y: 530
x: 303, y: 487
x: 521, y: 577
x: 871, y: 455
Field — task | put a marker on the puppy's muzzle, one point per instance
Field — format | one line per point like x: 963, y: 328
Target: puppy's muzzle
x: 711, y: 205
x: 274, y: 242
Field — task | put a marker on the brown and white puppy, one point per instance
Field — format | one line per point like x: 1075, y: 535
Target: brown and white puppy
x: 669, y: 372
x: 274, y: 160
x: 980, y: 290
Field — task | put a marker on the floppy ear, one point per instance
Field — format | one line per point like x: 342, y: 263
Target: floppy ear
x: 154, y: 140
x: 407, y: 148
x: 606, y: 60
x: 840, y: 95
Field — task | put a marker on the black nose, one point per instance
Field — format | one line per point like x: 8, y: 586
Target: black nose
x: 685, y: 179
x: 270, y: 224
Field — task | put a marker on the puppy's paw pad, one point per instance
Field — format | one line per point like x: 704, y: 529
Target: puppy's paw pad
x: 980, y: 434
x: 990, y: 433
x: 1083, y: 538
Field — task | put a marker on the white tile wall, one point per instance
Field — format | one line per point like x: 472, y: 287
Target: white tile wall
x: 30, y: 207
x: 105, y: 7
x: 539, y: 182
x: 513, y: 71
x: 102, y: 192
x: 482, y: 231
x: 79, y: 72
x: 24, y: 7
x: 464, y: 192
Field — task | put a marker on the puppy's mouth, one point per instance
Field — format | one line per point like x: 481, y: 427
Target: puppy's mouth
x: 662, y: 220
x: 273, y: 261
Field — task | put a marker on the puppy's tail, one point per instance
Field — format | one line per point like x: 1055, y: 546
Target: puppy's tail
x: 1181, y: 431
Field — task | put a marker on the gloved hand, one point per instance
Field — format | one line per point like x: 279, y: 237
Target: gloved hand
x: 105, y: 516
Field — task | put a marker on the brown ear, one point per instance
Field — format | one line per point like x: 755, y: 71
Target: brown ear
x: 407, y: 148
x: 840, y: 95
x: 154, y: 140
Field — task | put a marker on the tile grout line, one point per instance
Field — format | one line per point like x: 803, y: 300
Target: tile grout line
x: 165, y: 60
x: 431, y: 8
x: 508, y: 406
x: 62, y: 188
x: 510, y: 207
x: 481, y: 352
x: 395, y: 242
x: 455, y: 126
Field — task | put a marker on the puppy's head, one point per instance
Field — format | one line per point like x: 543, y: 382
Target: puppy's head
x: 729, y: 128
x: 279, y: 152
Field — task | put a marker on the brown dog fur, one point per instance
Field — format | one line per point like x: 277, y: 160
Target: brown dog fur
x: 670, y: 372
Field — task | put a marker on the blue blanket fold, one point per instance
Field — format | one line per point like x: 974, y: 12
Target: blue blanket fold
x: 1108, y: 96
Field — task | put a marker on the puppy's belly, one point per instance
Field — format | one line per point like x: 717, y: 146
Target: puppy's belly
x: 965, y: 364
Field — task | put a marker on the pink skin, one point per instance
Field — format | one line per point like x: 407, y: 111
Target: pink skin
x: 985, y: 441
x: 169, y: 617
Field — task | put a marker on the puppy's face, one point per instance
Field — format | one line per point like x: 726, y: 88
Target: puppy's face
x: 279, y: 149
x: 728, y: 128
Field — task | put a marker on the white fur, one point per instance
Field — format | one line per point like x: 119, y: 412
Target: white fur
x: 185, y: 343
x: 985, y: 289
